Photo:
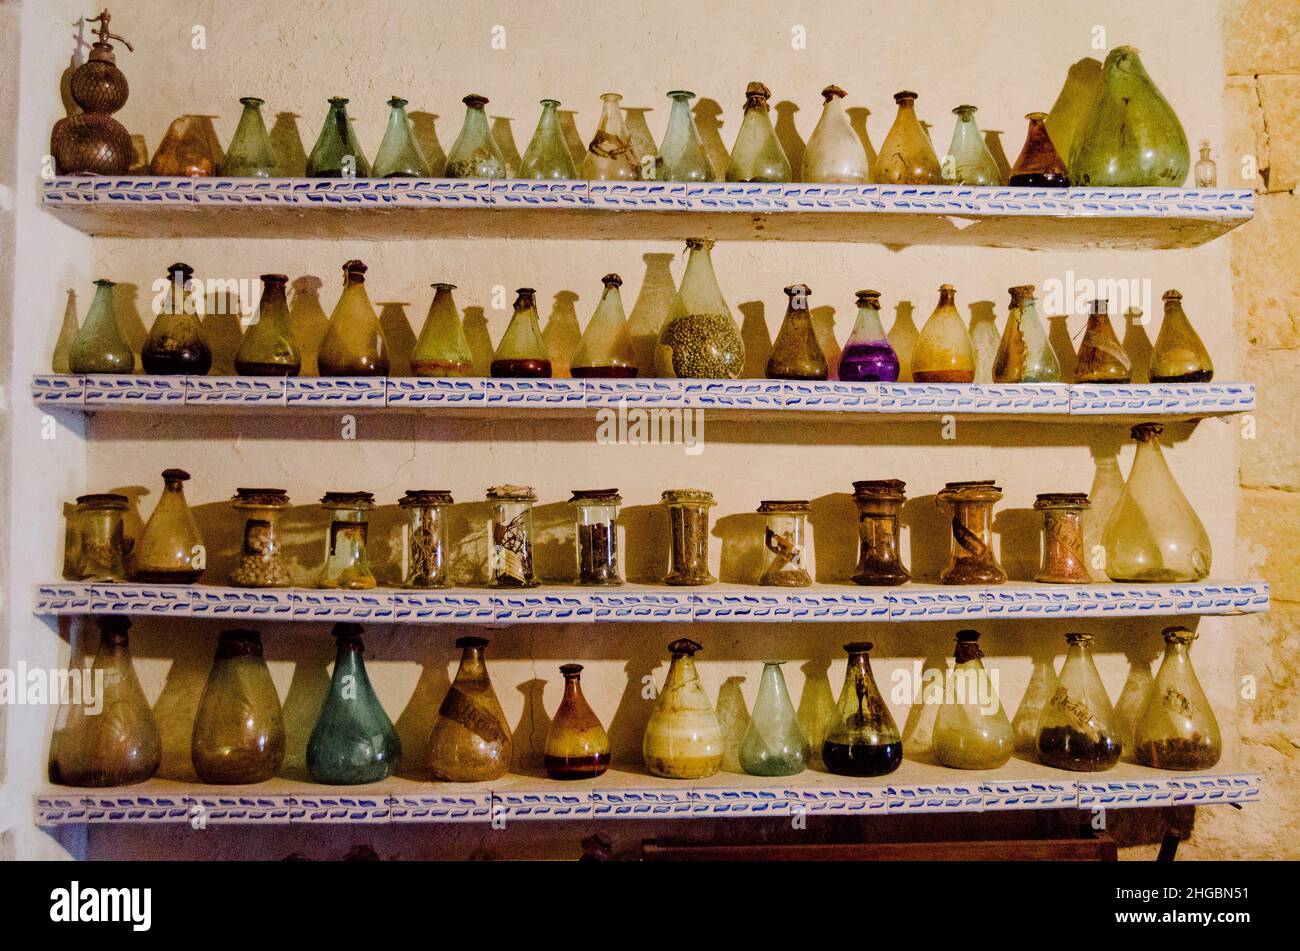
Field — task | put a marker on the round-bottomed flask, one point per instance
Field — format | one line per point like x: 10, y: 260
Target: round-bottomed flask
x: 354, y: 344
x: 353, y: 741
x: 1038, y: 165
x: 510, y: 537
x: 774, y: 743
x: 250, y: 153
x: 688, y: 523
x: 475, y: 153
x: 426, y: 537
x: 399, y: 154
x: 611, y: 155
x: 969, y: 161
x: 605, y: 349
x: 1176, y: 728
x: 262, y: 563
x: 867, y: 356
x: 971, y: 730
x: 596, y: 515
x: 880, y: 559
x: 337, y: 152
x: 972, y: 560
x: 1063, y: 556
x: 522, y: 351
x: 796, y: 354
x: 99, y: 346
x: 1179, y: 356
x: 547, y: 155
x: 785, y: 536
x: 683, y: 738
x: 1025, y: 355
x: 268, y: 347
x: 757, y: 155
x: 834, y: 152
x: 347, y: 564
x: 99, y: 549
x: 442, y: 348
x: 470, y: 741
x: 943, y: 352
x: 577, y: 746
x: 1102, y: 358
x: 681, y: 150
x: 170, y: 549
x: 906, y: 156
x: 175, y: 345
x: 699, y: 339
x: 238, y: 734
x: 1076, y: 728
x: 863, y: 739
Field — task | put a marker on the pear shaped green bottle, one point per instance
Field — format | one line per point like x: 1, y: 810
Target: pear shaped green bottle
x: 442, y: 349
x: 1179, y: 356
x: 757, y: 155
x: 681, y: 150
x: 605, y: 349
x: 969, y: 161
x: 250, y: 154
x: 337, y: 153
x: 399, y: 155
x: 268, y: 347
x: 547, y: 155
x: 354, y: 741
x: 774, y: 744
x: 475, y: 154
x: 99, y: 346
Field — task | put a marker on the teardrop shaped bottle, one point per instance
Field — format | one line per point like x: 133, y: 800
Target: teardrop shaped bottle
x: 1102, y: 358
x: 611, y: 155
x: 906, y: 156
x: 774, y: 744
x: 99, y: 346
x: 547, y: 155
x: 442, y: 348
x: 577, y: 746
x: 863, y: 739
x: 796, y: 354
x: 971, y: 730
x: 470, y: 741
x: 337, y: 153
x: 399, y: 154
x: 250, y: 153
x: 1176, y: 728
x: 239, y: 730
x: 943, y: 352
x: 475, y: 153
x: 834, y: 152
x: 681, y: 149
x: 867, y: 356
x: 1038, y: 165
x: 1131, y: 138
x: 522, y: 351
x: 605, y: 349
x: 268, y: 347
x: 757, y: 155
x: 1025, y: 355
x: 170, y: 549
x: 1179, y: 356
x: 354, y: 344
x: 353, y: 741
x: 1076, y: 730
x: 683, y: 738
x: 699, y: 339
x: 175, y: 345
x: 969, y: 161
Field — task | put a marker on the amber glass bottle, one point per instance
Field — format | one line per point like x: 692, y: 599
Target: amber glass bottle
x: 470, y: 741
x: 796, y: 354
x: 577, y: 746
x: 268, y: 347
x: 1039, y: 165
x: 943, y: 352
x: 175, y: 345
x: 170, y: 549
x: 354, y: 344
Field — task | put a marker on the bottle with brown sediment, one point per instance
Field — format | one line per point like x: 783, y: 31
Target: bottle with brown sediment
x: 1076, y: 728
x: 1176, y: 728
x: 972, y: 560
x: 605, y: 349
x: 577, y: 746
x: 863, y: 739
x: 522, y: 351
x: 1102, y: 358
x: 943, y: 352
x: 470, y: 741
x: 1178, y: 355
x: 170, y: 549
x: 796, y: 354
x: 879, y: 503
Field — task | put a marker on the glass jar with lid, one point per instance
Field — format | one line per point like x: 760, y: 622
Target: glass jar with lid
x: 426, y: 537
x: 261, y: 562
x: 596, y: 515
x: 99, y: 545
x: 347, y: 564
x: 786, y: 539
x: 688, y: 522
x: 510, y: 537
x: 880, y: 560
x: 1063, y: 557
x: 972, y: 560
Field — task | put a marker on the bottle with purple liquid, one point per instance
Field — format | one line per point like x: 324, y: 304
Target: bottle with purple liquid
x: 867, y: 356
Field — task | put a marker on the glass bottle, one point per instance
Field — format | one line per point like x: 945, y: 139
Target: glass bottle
x: 785, y: 536
x: 354, y: 344
x: 475, y: 153
x: 1205, y: 172
x: 98, y: 540
x: 99, y: 346
x: 442, y: 349
x: 522, y: 351
x: 577, y: 746
x: 170, y: 549
x: 239, y: 730
x: 699, y: 339
x: 353, y: 741
x: 796, y: 354
x: 189, y: 149
x: 347, y: 564
x: 510, y: 537
x: 681, y: 150
x: 862, y: 739
x: 906, y: 156
x: 250, y: 154
x: 834, y: 152
x: 1132, y: 137
x: 867, y: 356
x: 984, y: 341
x: 175, y: 345
x: 470, y: 741
x: 683, y: 738
x: 1153, y: 533
x: 943, y: 352
x: 399, y: 154
x: 969, y: 161
x: 611, y: 155
x: 1063, y: 555
x: 337, y: 152
x: 261, y: 558
x: 1176, y: 728
x: 1178, y: 355
x: 113, y: 741
x: 547, y: 155
x: 426, y: 537
x: 605, y: 349
x: 971, y: 730
x: 688, y: 523
x: 1038, y: 165
x: 1025, y: 355
x: 1076, y: 728
x: 596, y: 515
x: 1102, y: 358
x: 268, y: 347
x: 757, y: 155
x: 880, y: 560
x: 774, y: 744
x: 971, y: 560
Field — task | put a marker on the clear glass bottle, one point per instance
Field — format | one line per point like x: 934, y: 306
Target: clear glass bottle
x: 1076, y: 729
x: 510, y: 537
x: 774, y: 744
x: 250, y: 153
x: 863, y: 739
x: 1038, y: 165
x: 1176, y: 728
x: 442, y: 348
x: 522, y: 351
x: 757, y: 155
x: 785, y: 536
x: 189, y: 149
x: 688, y: 523
x: 1025, y: 354
x: 399, y: 154
x: 1102, y: 358
x: 175, y: 345
x: 113, y: 741
x: 605, y: 349
x: 347, y: 564
x: 1063, y: 555
x: 596, y: 516
x: 262, y: 563
x: 1179, y: 356
x: 475, y: 153
x: 834, y: 152
x: 239, y: 729
x: 971, y: 730
x: 99, y: 545
x: 547, y: 155
x: 984, y: 341
x: 681, y: 149
x: 470, y: 741
x: 337, y: 152
x: 906, y: 156
x: 268, y: 347
x: 971, y: 560
x: 1153, y: 534
x: 577, y: 746
x: 99, y: 346
x: 867, y: 356
x: 170, y: 549
x: 426, y: 537
x: 611, y: 155
x: 699, y: 339
x: 353, y: 741
x: 354, y: 344
x: 796, y: 354
x: 880, y: 560
x: 969, y: 161
x: 683, y: 738
x: 943, y: 352
x: 1206, y: 172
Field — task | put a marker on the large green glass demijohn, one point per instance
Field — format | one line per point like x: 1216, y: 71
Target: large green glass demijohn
x: 547, y: 155
x: 399, y: 155
x: 354, y: 741
x: 250, y: 154
x: 337, y: 153
x: 99, y: 346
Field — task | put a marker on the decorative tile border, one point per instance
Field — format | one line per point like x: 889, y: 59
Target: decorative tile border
x: 59, y: 390
x: 336, y: 392
x: 638, y: 196
x: 1031, y: 794
x: 727, y: 394
x: 523, y: 193
x: 434, y: 807
x: 776, y: 604
x: 1170, y: 789
x: 131, y: 391
x: 534, y: 394
x: 431, y: 391
x: 240, y: 390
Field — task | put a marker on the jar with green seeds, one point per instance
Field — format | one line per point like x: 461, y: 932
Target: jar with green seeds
x: 700, y: 339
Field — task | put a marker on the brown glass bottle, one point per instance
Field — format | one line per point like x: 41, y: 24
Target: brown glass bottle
x: 577, y: 746
x: 863, y: 739
x: 1039, y: 164
x: 470, y: 741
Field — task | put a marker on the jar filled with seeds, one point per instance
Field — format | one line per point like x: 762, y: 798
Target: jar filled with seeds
x: 510, y: 537
x: 786, y: 539
x: 1063, y: 558
x: 596, y: 516
x: 880, y: 560
x: 699, y: 339
x: 426, y: 537
x: 688, y: 522
x: 99, y: 546
x: 972, y: 560
x: 347, y: 564
x: 261, y: 562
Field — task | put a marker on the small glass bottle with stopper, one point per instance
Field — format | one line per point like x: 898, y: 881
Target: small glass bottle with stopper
x: 577, y: 746
x: 1076, y: 728
x: 175, y: 345
x: 605, y: 349
x: 1207, y: 174
x: 796, y: 354
x: 1176, y: 728
x: 863, y: 739
x: 170, y: 549
x: 868, y: 357
x: 971, y: 730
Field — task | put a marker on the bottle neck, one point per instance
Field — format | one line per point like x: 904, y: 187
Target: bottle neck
x: 471, y: 664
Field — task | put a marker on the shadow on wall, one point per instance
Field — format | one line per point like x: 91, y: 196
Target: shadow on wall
x: 424, y: 127
x: 708, y: 123
x: 651, y: 308
x: 398, y: 336
x: 562, y: 333
x: 286, y: 142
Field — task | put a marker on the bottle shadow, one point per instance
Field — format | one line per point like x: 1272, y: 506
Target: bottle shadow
x: 480, y: 341
x: 223, y: 329
x: 928, y: 525
x: 177, y: 705
x: 424, y: 128
x: 733, y: 717
x: 1137, y: 345
x: 302, y: 706
x: 1024, y: 724
x: 627, y: 726
x: 529, y: 735
x: 308, y: 321
x: 708, y: 123
x: 286, y: 143
x: 398, y: 336
x: 1063, y: 345
x: 817, y: 709
x: 562, y: 333
x: 756, y: 338
x: 834, y: 522
x: 415, y: 723
x: 646, y: 562
x: 902, y: 337
x: 858, y: 116
x: 68, y: 328
x: 651, y: 308
x: 983, y: 322
x: 129, y: 321
x: 788, y: 135
x: 505, y: 139
x: 573, y: 139
x: 643, y: 142
x: 993, y: 142
x: 743, y: 555
x: 823, y: 322
x: 1019, y: 531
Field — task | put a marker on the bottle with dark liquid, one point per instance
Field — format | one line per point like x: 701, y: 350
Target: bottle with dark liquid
x: 337, y: 153
x: 1179, y: 356
x: 863, y: 740
x: 796, y: 354
x: 1076, y: 728
x: 1039, y: 164
x: 867, y: 356
x: 268, y: 347
x: 175, y: 345
x: 354, y: 344
x: 605, y: 349
x: 522, y: 351
x: 577, y: 746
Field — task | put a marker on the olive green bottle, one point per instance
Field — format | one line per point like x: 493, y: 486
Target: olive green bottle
x: 99, y: 346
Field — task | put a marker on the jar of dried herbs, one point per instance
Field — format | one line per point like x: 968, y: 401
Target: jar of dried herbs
x: 99, y: 548
x: 1063, y: 557
x: 596, y: 517
x: 510, y: 537
x: 426, y: 537
x: 785, y: 536
x: 261, y: 562
x: 972, y: 560
x: 880, y: 502
x: 347, y: 562
x: 688, y: 522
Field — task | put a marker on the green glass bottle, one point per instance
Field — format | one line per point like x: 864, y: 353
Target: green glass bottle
x: 399, y: 154
x: 442, y: 348
x: 337, y: 153
x: 250, y: 154
x: 757, y: 155
x: 239, y: 730
x: 547, y: 155
x: 605, y: 349
x: 681, y: 149
x: 475, y: 154
x: 969, y: 161
x: 354, y: 344
x: 610, y: 154
x: 354, y: 741
x: 99, y: 346
x: 774, y: 744
x: 176, y: 345
x: 1179, y: 356
x: 522, y: 351
x: 268, y: 347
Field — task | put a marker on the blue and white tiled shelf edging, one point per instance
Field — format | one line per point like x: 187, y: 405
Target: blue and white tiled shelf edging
x: 449, y: 395
x: 723, y: 603
x: 540, y: 800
